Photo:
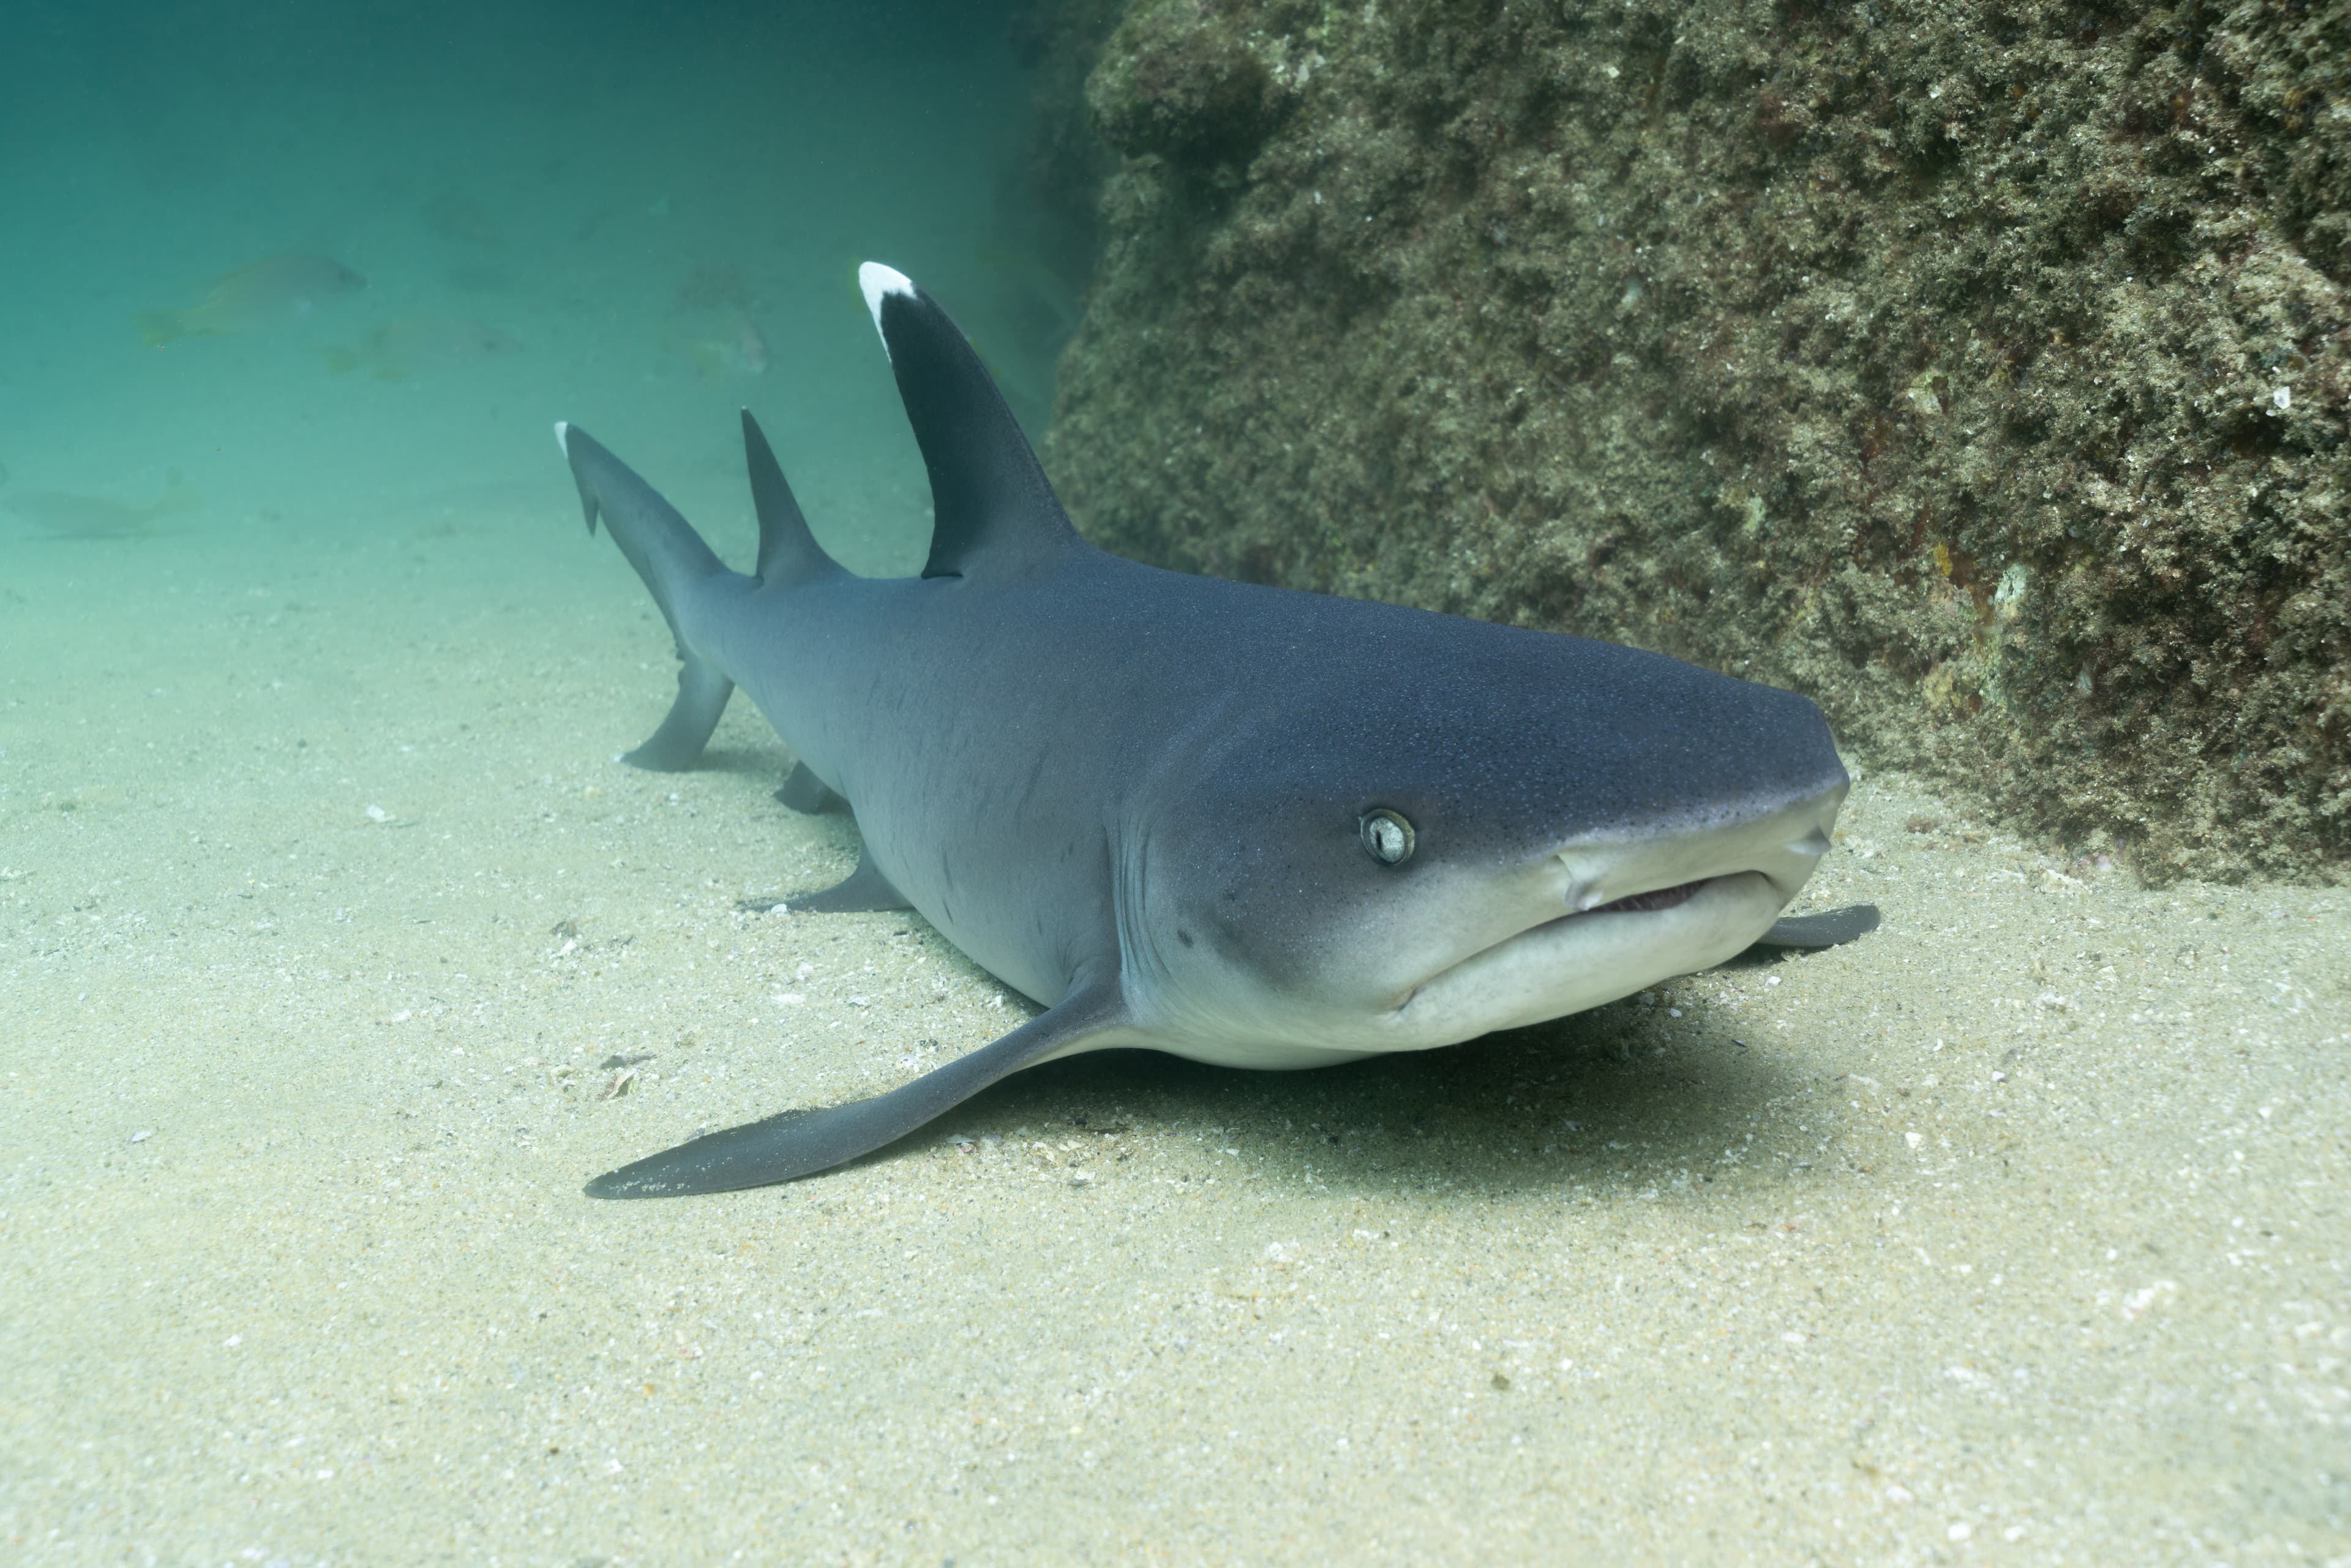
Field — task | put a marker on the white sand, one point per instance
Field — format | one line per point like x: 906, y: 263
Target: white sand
x: 2015, y: 1231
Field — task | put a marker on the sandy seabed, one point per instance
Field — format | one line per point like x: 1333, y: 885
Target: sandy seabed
x: 336, y: 952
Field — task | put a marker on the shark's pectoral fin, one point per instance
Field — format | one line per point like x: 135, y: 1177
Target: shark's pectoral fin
x: 702, y: 694
x: 802, y: 1142
x: 1831, y: 929
x: 861, y: 890
x: 804, y: 791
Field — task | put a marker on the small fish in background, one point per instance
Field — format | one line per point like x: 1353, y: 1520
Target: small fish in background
x: 460, y: 219
x: 710, y: 323
x: 66, y: 516
x: 293, y: 284
x: 398, y: 349
x: 750, y: 346
x: 714, y: 286
x: 724, y: 341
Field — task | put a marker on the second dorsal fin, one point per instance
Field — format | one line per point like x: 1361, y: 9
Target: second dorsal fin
x: 788, y: 553
x: 991, y: 508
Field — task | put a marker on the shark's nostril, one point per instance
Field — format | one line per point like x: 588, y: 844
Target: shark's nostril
x: 1815, y: 842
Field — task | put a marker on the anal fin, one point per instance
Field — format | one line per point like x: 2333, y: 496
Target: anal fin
x: 804, y: 791
x: 862, y: 890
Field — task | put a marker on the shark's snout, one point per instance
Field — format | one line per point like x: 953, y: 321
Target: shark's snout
x: 1782, y: 841
x: 1629, y: 909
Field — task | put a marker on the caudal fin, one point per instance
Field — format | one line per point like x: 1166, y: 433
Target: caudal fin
x: 670, y: 558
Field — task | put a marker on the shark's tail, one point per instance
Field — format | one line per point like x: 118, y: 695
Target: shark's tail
x: 670, y: 558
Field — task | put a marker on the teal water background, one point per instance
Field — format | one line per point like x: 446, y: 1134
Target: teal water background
x: 607, y: 190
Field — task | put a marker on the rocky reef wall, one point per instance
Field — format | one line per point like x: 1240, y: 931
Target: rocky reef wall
x: 1980, y: 370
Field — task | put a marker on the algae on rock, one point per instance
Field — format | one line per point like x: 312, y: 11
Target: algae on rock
x: 1980, y: 370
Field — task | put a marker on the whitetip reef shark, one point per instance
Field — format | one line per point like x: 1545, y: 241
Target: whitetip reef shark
x: 1248, y: 825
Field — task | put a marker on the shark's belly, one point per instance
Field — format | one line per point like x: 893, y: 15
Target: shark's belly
x: 1026, y: 901
x: 1273, y: 1056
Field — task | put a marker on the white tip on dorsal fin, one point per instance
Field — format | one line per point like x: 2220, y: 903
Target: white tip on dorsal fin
x: 877, y: 280
x: 563, y: 438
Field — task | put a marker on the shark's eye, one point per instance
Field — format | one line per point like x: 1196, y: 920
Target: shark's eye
x: 1387, y: 837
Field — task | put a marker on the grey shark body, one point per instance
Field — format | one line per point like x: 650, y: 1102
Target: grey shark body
x: 1243, y: 824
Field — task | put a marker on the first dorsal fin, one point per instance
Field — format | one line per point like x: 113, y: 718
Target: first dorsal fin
x: 788, y: 553
x: 991, y: 508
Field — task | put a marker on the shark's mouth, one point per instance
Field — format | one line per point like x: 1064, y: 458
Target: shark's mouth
x: 1655, y: 901
x: 1573, y: 961
x: 1656, y: 898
